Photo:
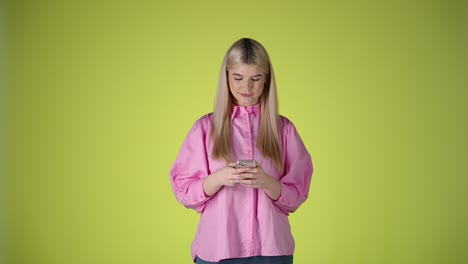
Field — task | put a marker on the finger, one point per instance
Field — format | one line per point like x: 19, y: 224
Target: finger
x: 233, y: 181
x: 248, y: 176
x: 253, y: 170
x: 243, y: 176
x: 241, y: 170
x: 248, y: 182
x: 232, y: 165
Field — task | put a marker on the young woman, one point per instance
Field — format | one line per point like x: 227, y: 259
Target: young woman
x: 244, y: 211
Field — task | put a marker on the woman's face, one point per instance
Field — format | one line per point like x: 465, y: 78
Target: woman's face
x: 246, y: 82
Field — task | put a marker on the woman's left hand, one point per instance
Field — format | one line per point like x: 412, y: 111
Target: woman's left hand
x: 255, y: 178
x: 258, y: 178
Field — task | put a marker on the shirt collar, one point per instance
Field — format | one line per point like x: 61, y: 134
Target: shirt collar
x: 236, y: 110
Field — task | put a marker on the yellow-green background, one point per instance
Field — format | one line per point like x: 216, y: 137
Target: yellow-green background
x: 100, y: 95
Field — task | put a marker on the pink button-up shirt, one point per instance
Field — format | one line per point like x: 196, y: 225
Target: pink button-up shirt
x: 239, y: 221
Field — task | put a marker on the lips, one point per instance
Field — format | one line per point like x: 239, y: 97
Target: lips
x: 246, y: 95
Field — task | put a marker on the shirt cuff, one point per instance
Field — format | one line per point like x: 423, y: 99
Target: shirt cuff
x: 198, y: 195
x: 285, y: 200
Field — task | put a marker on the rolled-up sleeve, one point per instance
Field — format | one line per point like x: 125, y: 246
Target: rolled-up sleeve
x: 295, y: 183
x: 189, y: 169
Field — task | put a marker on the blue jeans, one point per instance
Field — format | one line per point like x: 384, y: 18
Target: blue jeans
x: 252, y: 260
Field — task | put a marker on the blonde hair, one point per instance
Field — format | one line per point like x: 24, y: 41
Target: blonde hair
x: 247, y: 51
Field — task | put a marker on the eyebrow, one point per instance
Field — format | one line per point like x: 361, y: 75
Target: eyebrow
x: 258, y: 75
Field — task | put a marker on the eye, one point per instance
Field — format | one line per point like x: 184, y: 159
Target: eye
x: 237, y: 79
x: 255, y: 80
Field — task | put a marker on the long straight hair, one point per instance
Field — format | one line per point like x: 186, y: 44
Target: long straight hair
x: 247, y: 51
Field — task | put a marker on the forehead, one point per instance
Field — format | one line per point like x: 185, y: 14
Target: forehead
x: 246, y: 69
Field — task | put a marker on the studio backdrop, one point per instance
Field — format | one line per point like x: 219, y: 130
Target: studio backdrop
x: 98, y: 96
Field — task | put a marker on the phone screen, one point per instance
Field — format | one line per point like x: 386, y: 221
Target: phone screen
x: 246, y: 164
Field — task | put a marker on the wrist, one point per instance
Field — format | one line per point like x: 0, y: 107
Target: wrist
x: 274, y: 190
x: 215, y: 179
x: 211, y: 184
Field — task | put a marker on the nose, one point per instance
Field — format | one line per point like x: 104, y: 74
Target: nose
x: 250, y: 84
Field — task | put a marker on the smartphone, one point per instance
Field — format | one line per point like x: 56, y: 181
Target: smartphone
x: 246, y: 164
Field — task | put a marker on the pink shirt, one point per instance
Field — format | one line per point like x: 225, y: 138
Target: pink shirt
x: 238, y: 221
